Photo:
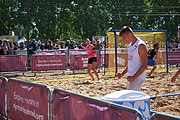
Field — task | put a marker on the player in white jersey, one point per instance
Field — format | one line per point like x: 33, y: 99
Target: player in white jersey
x: 137, y: 59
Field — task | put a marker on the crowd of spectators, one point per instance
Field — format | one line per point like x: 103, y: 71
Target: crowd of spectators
x: 10, y: 48
x: 173, y: 46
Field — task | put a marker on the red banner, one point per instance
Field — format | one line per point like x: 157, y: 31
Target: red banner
x: 48, y: 62
x: 67, y: 106
x: 3, y: 104
x: 28, y: 101
x: 174, y: 57
x: 80, y: 62
x: 13, y: 63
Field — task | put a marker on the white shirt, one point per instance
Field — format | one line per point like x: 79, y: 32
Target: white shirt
x: 134, y: 61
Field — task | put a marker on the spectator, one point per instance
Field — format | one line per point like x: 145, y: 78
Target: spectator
x: 179, y: 45
x: 49, y: 45
x: 1, y: 43
x: 1, y: 50
x: 5, y: 47
x: 11, y: 49
x: 56, y: 45
x: 98, y: 47
x: 67, y: 44
x: 32, y: 47
x: 22, y: 46
x: 62, y: 45
x: 15, y: 44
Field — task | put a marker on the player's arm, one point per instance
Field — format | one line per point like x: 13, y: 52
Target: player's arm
x: 83, y: 47
x: 121, y: 74
x: 124, y: 71
x: 143, y: 57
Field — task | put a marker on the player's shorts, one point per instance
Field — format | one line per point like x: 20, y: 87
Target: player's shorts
x: 151, y: 62
x: 136, y: 84
x: 91, y: 60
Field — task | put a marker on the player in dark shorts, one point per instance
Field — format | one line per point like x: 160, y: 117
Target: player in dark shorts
x: 151, y: 61
x: 92, y: 62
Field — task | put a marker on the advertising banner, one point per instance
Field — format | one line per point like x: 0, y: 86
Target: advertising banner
x: 74, y: 107
x: 79, y: 60
x: 174, y: 57
x: 48, y: 62
x: 13, y: 63
x: 3, y: 104
x: 28, y: 101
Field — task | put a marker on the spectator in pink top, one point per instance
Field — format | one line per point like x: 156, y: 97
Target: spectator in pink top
x: 92, y: 61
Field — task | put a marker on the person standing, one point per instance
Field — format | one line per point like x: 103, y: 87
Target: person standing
x: 92, y: 61
x: 151, y: 62
x: 5, y: 47
x: 137, y: 59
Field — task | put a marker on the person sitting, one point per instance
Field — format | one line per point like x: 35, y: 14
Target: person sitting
x: 151, y: 61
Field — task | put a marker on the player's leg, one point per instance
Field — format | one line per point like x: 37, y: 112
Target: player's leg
x: 90, y: 68
x: 94, y: 64
x: 151, y: 62
x: 89, y: 71
x: 152, y: 70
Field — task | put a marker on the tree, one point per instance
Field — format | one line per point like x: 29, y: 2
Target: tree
x: 49, y: 19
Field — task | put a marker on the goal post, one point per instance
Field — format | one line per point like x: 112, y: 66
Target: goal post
x: 117, y: 49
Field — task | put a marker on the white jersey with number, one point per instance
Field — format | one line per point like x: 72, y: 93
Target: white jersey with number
x: 134, y: 61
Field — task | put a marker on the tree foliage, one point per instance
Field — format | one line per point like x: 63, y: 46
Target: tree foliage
x: 49, y: 19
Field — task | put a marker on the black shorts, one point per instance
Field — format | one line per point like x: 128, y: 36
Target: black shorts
x: 91, y: 60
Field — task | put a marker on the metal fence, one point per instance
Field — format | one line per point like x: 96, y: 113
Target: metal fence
x: 25, y: 100
x: 21, y: 100
x: 53, y: 60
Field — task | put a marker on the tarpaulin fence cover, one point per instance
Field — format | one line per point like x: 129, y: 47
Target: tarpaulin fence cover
x: 28, y: 101
x: 79, y: 60
x: 3, y: 96
x: 163, y: 116
x: 72, y: 106
x: 12, y: 63
x: 48, y: 62
x: 174, y: 57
